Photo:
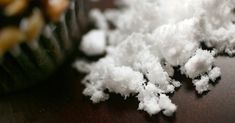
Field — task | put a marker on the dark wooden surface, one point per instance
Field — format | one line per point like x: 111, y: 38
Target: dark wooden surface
x: 60, y: 100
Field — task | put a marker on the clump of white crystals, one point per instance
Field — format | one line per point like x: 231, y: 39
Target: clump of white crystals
x: 150, y: 38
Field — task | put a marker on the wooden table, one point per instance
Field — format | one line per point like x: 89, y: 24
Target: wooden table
x: 60, y: 100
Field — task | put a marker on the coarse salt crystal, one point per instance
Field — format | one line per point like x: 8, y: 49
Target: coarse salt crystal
x: 200, y: 63
x: 94, y: 43
x: 214, y: 73
x: 202, y: 84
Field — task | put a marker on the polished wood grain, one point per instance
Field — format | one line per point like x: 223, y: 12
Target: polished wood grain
x: 60, y: 100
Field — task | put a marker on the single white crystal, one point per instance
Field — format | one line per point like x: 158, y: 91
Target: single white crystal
x: 94, y: 43
x: 200, y: 63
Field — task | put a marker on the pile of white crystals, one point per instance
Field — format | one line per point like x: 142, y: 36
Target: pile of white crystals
x: 149, y: 39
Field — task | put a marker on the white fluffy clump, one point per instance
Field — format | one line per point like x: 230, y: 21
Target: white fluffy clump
x: 214, y: 73
x: 202, y: 84
x: 198, y: 64
x: 94, y: 43
x: 150, y: 38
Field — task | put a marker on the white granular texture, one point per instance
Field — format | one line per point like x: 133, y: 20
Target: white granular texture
x: 150, y: 38
x: 202, y: 84
x: 214, y: 73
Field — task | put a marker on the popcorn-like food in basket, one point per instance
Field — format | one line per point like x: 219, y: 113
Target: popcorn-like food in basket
x: 30, y: 26
x: 36, y: 36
